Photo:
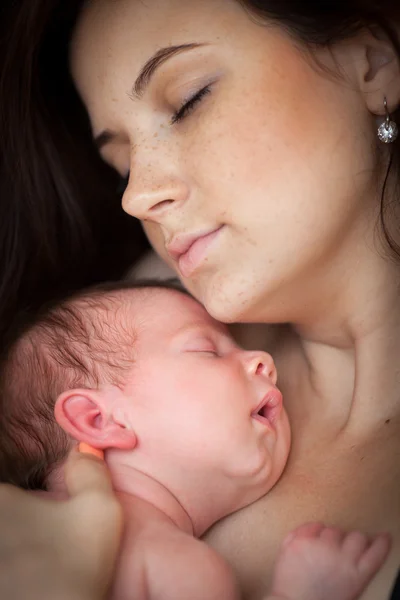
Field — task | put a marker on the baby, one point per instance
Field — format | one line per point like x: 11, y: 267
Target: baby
x: 193, y: 429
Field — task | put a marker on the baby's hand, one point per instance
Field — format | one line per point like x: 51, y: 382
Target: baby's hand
x: 323, y: 563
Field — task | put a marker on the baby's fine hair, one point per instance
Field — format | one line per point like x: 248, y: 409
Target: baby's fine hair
x: 79, y: 342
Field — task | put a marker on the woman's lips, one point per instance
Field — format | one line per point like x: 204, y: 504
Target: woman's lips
x: 190, y: 260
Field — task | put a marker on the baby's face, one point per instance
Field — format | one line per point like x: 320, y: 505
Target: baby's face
x: 200, y: 404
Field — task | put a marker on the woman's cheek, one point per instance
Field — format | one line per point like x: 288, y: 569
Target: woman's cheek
x: 156, y: 239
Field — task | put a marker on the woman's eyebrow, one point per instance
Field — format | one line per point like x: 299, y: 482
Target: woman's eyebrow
x: 143, y: 80
x: 159, y: 58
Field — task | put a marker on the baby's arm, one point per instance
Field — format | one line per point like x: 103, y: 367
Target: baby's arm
x: 323, y: 563
x: 180, y: 567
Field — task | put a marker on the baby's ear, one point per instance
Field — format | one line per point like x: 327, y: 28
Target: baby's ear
x: 83, y: 414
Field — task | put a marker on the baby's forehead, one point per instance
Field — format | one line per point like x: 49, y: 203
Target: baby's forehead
x: 161, y: 309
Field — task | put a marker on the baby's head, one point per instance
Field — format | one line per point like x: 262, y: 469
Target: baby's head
x: 147, y: 375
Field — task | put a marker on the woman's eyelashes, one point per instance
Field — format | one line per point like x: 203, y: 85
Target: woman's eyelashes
x: 183, y: 112
x: 187, y: 108
x: 190, y: 105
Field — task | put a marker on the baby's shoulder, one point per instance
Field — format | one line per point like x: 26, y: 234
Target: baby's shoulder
x: 181, y: 566
x: 170, y: 544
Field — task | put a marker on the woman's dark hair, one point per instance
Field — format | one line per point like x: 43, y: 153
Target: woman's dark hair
x: 61, y: 223
x: 61, y: 226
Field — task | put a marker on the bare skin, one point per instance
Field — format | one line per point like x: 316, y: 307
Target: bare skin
x: 285, y: 159
x: 337, y: 472
x: 45, y: 557
x: 323, y: 563
x: 162, y: 562
x: 65, y: 550
x: 177, y: 466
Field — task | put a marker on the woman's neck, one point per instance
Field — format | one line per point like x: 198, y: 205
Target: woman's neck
x: 345, y: 350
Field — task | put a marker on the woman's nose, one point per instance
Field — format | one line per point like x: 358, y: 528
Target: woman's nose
x: 149, y: 197
x: 262, y: 364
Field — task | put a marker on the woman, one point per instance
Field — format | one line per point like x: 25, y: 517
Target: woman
x: 259, y: 148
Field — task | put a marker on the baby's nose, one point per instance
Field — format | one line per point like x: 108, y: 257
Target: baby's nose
x: 261, y: 363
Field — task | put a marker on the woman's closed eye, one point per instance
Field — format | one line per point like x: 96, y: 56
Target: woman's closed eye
x: 187, y: 108
x: 190, y: 105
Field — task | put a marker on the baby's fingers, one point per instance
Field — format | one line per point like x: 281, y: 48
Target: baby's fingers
x: 375, y: 555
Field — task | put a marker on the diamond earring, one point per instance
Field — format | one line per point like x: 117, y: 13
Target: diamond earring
x: 388, y: 132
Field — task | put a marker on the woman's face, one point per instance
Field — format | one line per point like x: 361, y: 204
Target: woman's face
x: 268, y: 169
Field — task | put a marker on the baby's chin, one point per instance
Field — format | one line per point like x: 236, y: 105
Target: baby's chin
x: 258, y: 487
x: 278, y: 454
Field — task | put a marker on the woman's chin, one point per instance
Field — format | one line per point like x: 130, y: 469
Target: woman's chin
x: 222, y: 310
x: 225, y: 306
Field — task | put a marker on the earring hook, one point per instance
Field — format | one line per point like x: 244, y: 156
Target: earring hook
x: 388, y: 132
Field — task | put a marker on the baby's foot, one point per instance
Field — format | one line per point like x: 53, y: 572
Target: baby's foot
x: 324, y: 563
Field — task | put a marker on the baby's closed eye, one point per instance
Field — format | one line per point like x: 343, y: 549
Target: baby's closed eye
x: 203, y: 347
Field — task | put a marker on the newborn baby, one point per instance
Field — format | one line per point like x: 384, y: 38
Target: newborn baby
x: 193, y: 429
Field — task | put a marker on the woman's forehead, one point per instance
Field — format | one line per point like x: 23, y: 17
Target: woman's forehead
x: 113, y: 41
x: 161, y: 18
x: 110, y: 30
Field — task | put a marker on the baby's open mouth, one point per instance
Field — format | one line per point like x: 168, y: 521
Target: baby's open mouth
x: 270, y: 408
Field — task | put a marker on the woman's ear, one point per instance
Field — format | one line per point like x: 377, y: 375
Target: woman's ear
x: 378, y: 72
x: 83, y: 414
